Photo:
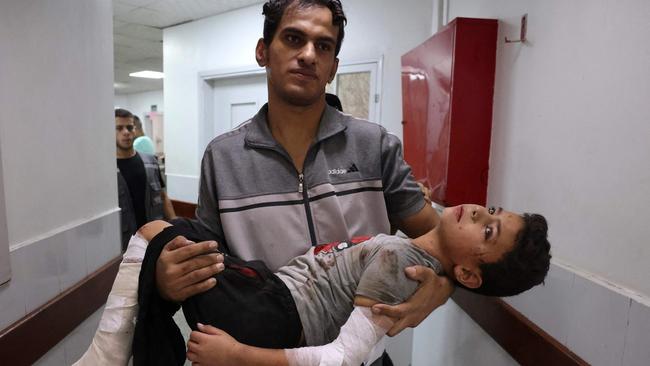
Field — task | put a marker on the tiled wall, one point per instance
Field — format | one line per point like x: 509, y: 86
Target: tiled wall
x: 46, y: 266
x: 72, y: 347
x: 450, y: 337
x: 603, y: 324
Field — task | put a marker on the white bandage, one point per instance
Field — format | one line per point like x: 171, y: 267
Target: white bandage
x: 358, y: 335
x: 111, y: 344
x: 135, y: 250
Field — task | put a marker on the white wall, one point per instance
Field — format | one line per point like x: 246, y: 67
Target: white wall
x: 375, y: 28
x: 58, y: 168
x: 571, y: 130
x: 52, y: 80
x: 570, y: 140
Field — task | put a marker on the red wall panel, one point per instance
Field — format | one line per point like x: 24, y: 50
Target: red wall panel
x: 447, y: 92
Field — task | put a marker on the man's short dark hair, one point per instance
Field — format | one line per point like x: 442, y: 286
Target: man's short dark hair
x: 122, y: 113
x: 522, y: 268
x: 137, y: 122
x: 273, y: 11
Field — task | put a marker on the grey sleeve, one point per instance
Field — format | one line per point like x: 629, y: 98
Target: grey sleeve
x: 384, y: 279
x: 402, y: 194
x: 207, y: 209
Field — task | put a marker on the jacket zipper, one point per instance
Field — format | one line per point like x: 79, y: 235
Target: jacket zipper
x: 305, y: 198
x: 302, y: 190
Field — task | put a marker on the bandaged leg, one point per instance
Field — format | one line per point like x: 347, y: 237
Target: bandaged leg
x: 358, y: 335
x: 111, y: 344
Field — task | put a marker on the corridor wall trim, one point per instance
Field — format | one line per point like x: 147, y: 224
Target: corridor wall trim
x: 31, y: 337
x: 527, y: 343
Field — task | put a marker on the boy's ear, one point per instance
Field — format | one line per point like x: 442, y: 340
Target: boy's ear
x: 261, y: 53
x: 468, y: 277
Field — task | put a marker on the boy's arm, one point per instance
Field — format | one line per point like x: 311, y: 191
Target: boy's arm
x: 358, y: 336
x: 153, y: 228
x: 168, y: 207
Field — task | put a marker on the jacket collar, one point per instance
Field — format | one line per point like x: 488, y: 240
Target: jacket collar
x: 259, y: 133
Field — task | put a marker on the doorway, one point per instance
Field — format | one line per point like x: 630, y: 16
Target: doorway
x: 232, y: 97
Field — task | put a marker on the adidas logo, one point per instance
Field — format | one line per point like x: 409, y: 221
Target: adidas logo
x: 352, y: 168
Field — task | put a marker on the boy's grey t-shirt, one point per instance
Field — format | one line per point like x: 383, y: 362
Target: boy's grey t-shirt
x: 325, y: 280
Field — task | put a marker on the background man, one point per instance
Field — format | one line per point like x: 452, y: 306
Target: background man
x: 141, y: 189
x: 300, y: 173
x: 142, y: 142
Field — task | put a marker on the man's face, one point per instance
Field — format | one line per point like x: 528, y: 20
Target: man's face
x: 472, y: 234
x: 300, y: 59
x: 124, y: 133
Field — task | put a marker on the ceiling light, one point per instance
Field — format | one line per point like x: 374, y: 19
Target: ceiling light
x: 147, y: 74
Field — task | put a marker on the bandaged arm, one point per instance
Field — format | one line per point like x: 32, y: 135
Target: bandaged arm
x: 357, y: 337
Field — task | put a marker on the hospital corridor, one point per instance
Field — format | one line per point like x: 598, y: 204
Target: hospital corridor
x: 324, y: 182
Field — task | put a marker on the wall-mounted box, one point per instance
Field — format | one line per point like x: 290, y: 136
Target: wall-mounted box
x: 447, y: 93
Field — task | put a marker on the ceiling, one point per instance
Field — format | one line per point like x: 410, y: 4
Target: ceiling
x: 137, y: 34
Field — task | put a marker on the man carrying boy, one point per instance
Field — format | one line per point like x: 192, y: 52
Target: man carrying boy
x: 300, y: 173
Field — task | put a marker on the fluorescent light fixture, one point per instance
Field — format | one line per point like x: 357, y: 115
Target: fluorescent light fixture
x: 147, y: 74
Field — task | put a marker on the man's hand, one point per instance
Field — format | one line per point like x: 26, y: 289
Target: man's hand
x: 212, y: 346
x: 185, y: 269
x: 434, y: 291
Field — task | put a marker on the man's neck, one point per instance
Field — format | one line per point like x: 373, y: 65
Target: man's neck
x: 125, y: 154
x: 430, y: 243
x: 294, y: 127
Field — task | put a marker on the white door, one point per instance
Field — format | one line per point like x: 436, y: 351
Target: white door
x: 236, y: 100
x: 232, y: 98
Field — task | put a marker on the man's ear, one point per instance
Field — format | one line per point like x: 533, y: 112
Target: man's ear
x: 261, y: 53
x: 335, y: 68
x: 468, y: 277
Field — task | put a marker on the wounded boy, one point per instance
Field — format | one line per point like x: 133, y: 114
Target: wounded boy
x: 321, y: 299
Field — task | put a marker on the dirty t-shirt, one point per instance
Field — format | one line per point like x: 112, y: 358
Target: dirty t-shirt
x: 325, y: 280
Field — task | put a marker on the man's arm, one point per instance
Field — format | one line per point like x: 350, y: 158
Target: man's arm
x: 185, y: 269
x: 403, y: 195
x: 420, y: 223
x: 434, y: 291
x: 168, y: 208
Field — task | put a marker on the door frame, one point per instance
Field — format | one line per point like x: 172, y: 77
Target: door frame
x: 206, y: 100
x: 375, y: 68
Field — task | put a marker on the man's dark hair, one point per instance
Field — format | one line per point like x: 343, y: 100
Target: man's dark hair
x: 273, y: 11
x: 137, y: 122
x: 122, y: 113
x: 522, y: 268
x: 334, y: 101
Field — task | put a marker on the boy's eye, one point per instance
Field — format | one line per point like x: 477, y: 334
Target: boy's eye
x: 488, y: 232
x: 492, y: 210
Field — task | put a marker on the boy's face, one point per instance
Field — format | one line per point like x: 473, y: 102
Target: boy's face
x: 472, y: 234
x: 300, y: 59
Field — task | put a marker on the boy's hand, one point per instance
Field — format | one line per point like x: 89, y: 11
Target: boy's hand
x: 426, y: 192
x: 434, y: 291
x: 185, y: 269
x: 212, y: 346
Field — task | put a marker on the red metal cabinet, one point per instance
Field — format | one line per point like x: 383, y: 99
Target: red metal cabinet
x: 447, y: 92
